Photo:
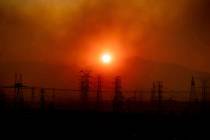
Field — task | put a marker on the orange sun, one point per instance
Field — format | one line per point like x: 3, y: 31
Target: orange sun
x: 106, y: 58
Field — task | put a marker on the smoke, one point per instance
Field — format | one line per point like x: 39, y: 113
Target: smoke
x: 169, y: 31
x: 175, y: 31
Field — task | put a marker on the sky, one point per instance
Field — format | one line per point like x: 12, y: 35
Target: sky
x: 175, y: 31
x: 77, y: 31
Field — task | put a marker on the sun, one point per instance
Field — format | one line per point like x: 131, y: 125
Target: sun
x: 106, y: 58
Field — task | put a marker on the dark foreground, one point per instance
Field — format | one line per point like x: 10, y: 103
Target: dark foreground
x: 74, y: 125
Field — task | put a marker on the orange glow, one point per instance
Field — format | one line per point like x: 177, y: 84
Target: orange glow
x: 104, y: 54
x: 106, y: 58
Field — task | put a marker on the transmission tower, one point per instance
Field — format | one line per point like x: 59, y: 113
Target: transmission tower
x: 99, y: 98
x: 204, y: 87
x: 153, y: 93
x: 52, y: 102
x: 193, y: 96
x: 118, y: 100
x: 32, y: 96
x: 53, y: 98
x: 85, y: 87
x: 42, y: 99
x: 2, y: 100
x: 156, y: 92
x: 160, y: 91
x: 18, y: 86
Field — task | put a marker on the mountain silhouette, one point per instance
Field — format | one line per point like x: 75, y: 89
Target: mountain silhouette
x: 137, y: 73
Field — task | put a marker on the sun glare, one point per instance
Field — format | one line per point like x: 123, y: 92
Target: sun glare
x: 106, y: 58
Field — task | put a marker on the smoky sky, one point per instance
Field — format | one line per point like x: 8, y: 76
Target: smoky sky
x: 173, y: 31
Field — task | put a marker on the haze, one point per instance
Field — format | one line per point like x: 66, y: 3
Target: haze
x: 54, y: 31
